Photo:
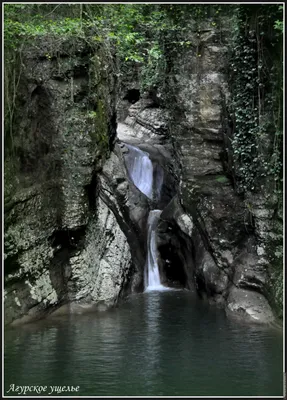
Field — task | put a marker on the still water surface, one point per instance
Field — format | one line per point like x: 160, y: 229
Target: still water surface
x: 155, y: 344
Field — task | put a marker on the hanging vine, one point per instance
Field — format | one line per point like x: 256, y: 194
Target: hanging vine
x: 257, y: 98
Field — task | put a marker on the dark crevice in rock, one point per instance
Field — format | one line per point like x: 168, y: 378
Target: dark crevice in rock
x: 80, y: 71
x: 90, y: 191
x: 40, y: 91
x: 112, y: 130
x: 60, y: 273
x: 35, y: 149
x: 171, y: 266
x: 253, y: 284
x: 132, y: 96
x: 11, y: 265
x: 203, y: 288
x: 81, y: 95
x: 68, y: 238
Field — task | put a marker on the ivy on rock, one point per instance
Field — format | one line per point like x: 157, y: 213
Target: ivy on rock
x: 256, y: 108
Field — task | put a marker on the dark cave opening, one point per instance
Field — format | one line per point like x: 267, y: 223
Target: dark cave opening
x: 132, y: 96
x: 68, y: 238
x: 171, y: 267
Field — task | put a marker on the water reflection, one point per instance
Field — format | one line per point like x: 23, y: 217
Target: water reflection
x: 157, y: 343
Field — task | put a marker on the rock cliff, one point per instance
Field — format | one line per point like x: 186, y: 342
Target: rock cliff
x: 63, y: 244
x: 75, y: 224
x: 208, y: 237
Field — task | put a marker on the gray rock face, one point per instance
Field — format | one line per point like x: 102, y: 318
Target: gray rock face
x: 268, y: 226
x: 249, y: 305
x: 145, y: 123
x: 63, y: 244
x: 99, y: 271
x: 225, y: 241
x: 219, y: 242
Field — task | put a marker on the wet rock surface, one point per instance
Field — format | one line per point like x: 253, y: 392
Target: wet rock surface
x: 249, y: 305
x: 207, y: 233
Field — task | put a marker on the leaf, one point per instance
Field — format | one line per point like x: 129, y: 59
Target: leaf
x: 222, y: 179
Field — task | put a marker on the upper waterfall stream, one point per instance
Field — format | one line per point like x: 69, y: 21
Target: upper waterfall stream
x: 140, y: 169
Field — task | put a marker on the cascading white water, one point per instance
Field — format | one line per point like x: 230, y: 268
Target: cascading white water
x: 152, y: 276
x: 140, y: 169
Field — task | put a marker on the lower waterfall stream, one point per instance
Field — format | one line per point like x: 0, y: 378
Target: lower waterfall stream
x: 152, y: 273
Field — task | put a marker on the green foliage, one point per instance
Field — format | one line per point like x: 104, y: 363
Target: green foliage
x: 40, y: 27
x: 257, y: 98
x: 148, y: 36
x: 141, y: 34
x: 279, y: 22
x: 222, y: 179
x: 279, y: 25
x: 21, y: 24
x: 99, y: 134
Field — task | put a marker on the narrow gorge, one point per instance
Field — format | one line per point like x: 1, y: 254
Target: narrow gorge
x: 143, y: 174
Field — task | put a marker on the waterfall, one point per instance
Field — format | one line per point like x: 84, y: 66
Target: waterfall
x: 140, y: 169
x: 152, y: 273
